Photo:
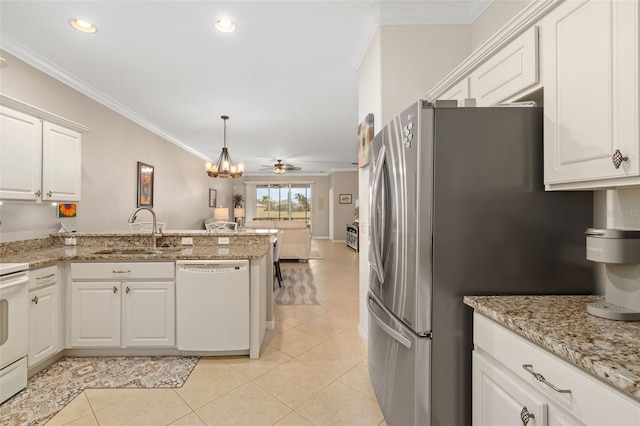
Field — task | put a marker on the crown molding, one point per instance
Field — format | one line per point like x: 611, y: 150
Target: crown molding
x: 415, y: 13
x: 526, y: 18
x: 19, y: 51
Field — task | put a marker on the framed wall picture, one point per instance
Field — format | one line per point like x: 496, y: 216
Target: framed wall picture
x: 345, y: 198
x: 365, y: 136
x: 213, y: 197
x: 145, y: 185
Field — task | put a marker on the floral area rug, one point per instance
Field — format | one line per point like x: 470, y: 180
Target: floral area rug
x: 54, y: 387
x: 297, y: 288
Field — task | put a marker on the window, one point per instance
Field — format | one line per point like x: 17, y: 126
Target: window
x: 289, y: 201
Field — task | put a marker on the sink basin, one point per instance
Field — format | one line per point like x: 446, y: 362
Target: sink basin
x: 158, y: 250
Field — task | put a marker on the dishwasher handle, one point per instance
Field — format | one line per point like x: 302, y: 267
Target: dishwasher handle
x: 211, y: 268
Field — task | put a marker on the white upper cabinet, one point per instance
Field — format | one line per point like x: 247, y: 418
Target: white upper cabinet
x: 458, y: 91
x: 40, y: 160
x: 61, y: 163
x: 590, y: 74
x: 20, y: 155
x: 508, y: 72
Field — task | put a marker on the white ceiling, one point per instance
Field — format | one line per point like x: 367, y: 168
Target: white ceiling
x: 287, y: 77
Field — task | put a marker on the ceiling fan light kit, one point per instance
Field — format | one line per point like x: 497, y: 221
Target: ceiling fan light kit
x: 224, y: 168
x: 281, y: 168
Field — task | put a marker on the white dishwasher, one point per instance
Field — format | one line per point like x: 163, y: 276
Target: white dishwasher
x: 212, y: 305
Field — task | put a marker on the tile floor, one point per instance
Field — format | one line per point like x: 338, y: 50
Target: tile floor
x: 312, y: 370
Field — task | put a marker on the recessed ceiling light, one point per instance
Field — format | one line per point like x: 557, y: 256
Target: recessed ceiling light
x: 84, y: 26
x: 225, y: 25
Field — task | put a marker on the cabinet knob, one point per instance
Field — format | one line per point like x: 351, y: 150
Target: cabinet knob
x: 49, y: 194
x: 35, y: 299
x: 115, y: 289
x: 128, y: 289
x: 525, y: 415
x: 38, y: 193
x: 618, y: 158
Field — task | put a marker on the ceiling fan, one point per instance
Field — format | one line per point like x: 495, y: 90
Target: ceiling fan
x: 280, y: 167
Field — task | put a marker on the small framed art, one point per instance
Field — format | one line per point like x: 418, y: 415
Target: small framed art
x: 345, y: 198
x: 145, y: 185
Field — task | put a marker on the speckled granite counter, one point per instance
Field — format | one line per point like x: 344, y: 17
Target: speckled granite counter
x: 605, y: 348
x: 47, y: 251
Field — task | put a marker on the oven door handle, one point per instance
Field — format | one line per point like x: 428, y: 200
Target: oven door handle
x: 13, y: 282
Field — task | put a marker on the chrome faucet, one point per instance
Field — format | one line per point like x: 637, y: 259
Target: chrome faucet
x: 132, y: 219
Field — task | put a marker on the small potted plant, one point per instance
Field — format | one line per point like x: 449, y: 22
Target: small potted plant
x: 238, y: 199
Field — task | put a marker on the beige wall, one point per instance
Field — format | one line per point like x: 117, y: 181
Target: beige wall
x: 493, y: 18
x: 343, y: 214
x: 110, y: 151
x: 414, y: 58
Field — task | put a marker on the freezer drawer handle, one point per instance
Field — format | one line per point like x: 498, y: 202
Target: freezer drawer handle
x: 390, y: 331
x: 525, y: 415
x: 539, y: 377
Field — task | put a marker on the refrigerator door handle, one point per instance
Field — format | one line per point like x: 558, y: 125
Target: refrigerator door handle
x: 377, y: 177
x: 390, y: 331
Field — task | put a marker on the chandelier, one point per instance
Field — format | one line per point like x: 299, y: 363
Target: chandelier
x: 224, y: 168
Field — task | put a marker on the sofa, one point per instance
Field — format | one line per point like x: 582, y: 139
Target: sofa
x: 296, y: 237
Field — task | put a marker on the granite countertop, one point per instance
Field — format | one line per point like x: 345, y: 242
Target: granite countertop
x: 47, y: 256
x: 607, y: 349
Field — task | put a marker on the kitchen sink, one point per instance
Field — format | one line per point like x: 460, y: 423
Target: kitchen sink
x: 158, y: 250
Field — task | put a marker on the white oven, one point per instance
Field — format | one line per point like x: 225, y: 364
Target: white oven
x: 14, y: 315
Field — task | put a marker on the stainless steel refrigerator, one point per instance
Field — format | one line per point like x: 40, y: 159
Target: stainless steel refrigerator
x: 458, y: 208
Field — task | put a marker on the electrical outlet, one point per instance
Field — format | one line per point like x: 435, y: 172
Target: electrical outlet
x: 223, y: 240
x: 70, y: 241
x: 223, y: 251
x: 187, y: 241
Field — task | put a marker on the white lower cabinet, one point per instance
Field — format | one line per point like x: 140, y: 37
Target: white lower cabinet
x: 95, y: 314
x: 499, y: 399
x: 123, y: 304
x: 516, y: 382
x: 44, y: 315
x: 149, y: 313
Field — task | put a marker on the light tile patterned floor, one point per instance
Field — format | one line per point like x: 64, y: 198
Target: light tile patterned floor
x: 312, y: 370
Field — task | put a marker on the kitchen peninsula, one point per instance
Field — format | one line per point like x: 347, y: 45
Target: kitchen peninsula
x: 50, y: 257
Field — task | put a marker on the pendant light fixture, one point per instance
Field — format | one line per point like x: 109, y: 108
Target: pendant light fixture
x: 224, y: 168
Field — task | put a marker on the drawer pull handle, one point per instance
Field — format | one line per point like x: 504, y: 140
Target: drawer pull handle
x: 121, y: 272
x: 539, y: 377
x: 525, y: 415
x: 45, y: 277
x: 35, y: 300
